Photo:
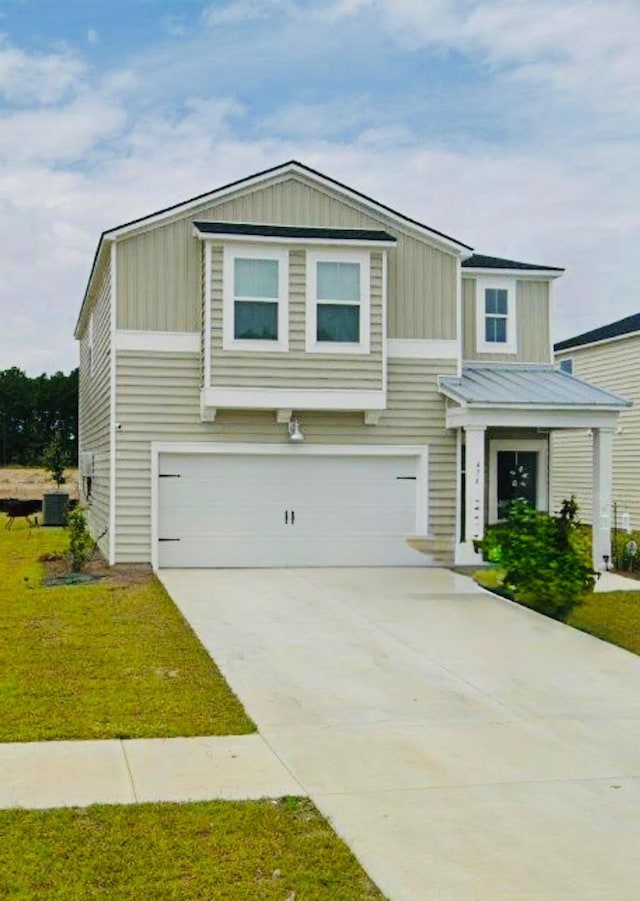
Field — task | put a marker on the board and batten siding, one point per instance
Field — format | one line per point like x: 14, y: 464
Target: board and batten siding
x: 613, y: 365
x: 157, y: 400
x: 296, y: 367
x: 160, y: 267
x: 532, y: 323
x: 94, y: 409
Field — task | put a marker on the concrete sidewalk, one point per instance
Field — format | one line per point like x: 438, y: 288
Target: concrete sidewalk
x: 80, y: 773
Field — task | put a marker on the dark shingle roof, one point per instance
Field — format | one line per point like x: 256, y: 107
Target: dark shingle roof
x: 480, y: 261
x: 293, y: 231
x: 614, y: 330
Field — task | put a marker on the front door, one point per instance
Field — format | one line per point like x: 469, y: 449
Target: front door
x: 517, y: 478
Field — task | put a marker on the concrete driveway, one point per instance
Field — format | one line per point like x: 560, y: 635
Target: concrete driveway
x: 464, y: 747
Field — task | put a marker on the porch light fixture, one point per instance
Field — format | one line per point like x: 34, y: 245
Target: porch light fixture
x: 296, y: 435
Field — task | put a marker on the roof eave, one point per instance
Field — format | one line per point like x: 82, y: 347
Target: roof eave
x: 518, y: 273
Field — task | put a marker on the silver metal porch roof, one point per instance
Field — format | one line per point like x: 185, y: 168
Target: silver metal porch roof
x: 526, y: 385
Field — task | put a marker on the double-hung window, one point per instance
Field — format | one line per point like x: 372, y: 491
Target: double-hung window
x: 338, y: 301
x: 255, y: 298
x: 496, y: 316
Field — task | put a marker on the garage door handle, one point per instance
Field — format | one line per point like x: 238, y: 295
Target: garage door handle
x: 293, y: 516
x: 286, y: 517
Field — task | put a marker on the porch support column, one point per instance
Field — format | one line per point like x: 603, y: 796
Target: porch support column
x: 602, y: 480
x: 475, y: 480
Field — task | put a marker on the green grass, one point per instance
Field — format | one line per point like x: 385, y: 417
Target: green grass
x: 613, y: 616
x: 104, y: 660
x: 227, y: 851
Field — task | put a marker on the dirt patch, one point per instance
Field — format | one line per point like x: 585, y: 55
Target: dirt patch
x: 30, y: 484
x: 56, y: 570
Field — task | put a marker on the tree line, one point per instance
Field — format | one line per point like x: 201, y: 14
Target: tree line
x: 33, y: 412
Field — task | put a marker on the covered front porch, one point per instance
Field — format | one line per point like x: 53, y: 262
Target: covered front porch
x: 504, y: 416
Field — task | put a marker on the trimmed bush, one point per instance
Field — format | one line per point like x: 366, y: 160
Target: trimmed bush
x: 546, y: 559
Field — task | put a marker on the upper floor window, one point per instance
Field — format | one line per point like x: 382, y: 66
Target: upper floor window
x: 255, y: 291
x: 567, y: 366
x: 338, y: 301
x: 496, y: 316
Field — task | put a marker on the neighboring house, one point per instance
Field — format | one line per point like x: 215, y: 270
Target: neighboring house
x: 610, y: 356
x: 285, y: 372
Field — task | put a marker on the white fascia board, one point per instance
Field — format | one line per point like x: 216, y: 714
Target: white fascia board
x: 84, y: 307
x: 523, y: 417
x: 535, y: 274
x: 307, y: 242
x: 159, y: 342
x: 422, y: 349
x: 113, y: 361
x: 578, y: 347
x: 284, y: 398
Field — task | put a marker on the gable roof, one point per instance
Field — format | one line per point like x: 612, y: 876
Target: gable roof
x: 535, y: 384
x: 290, y: 167
x: 626, y: 326
x: 481, y: 261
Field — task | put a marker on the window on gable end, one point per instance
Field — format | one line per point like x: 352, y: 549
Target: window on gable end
x: 255, y: 288
x: 338, y: 301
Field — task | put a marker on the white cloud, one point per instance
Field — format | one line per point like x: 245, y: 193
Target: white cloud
x: 583, y: 49
x: 240, y: 11
x: 36, y: 78
x: 93, y: 36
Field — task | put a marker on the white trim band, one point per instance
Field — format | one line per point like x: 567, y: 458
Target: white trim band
x: 422, y: 349
x: 292, y: 399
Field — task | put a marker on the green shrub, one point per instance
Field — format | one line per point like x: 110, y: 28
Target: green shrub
x: 546, y: 559
x: 55, y: 459
x: 81, y: 544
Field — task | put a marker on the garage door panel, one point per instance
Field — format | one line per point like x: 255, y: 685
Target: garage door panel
x: 286, y: 510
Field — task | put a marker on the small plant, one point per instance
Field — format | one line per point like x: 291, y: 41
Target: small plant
x: 55, y: 459
x: 81, y: 544
x: 545, y: 558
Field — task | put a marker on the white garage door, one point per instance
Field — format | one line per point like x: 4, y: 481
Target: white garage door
x: 283, y: 510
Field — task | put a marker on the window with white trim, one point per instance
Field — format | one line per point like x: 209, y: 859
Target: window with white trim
x: 338, y: 301
x: 496, y: 316
x: 567, y: 366
x: 255, y: 298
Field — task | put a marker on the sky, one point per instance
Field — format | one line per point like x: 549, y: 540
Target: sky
x: 512, y: 125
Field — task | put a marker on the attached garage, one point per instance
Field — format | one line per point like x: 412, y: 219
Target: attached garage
x: 276, y: 505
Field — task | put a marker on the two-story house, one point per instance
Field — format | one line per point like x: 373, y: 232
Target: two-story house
x: 610, y: 356
x: 285, y: 372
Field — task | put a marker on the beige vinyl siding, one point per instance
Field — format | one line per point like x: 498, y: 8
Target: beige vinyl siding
x: 159, y: 269
x: 615, y: 366
x: 157, y: 399
x: 94, y: 408
x: 532, y: 321
x: 296, y: 367
x: 572, y: 469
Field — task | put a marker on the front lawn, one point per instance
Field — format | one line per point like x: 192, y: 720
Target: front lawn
x: 227, y: 851
x: 104, y: 660
x: 612, y: 616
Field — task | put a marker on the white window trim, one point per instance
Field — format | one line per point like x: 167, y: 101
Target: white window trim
x: 541, y: 446
x: 510, y: 346
x: 254, y: 252
x: 363, y: 258
x: 562, y: 364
